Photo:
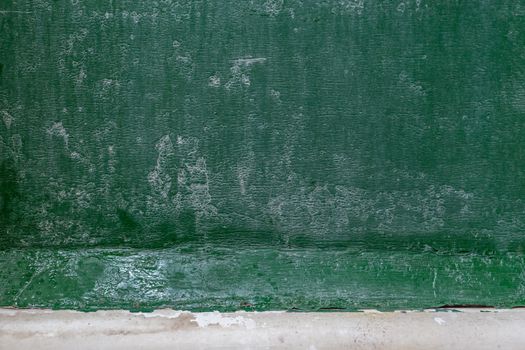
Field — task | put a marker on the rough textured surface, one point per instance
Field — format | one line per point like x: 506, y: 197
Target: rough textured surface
x: 168, y: 329
x: 262, y: 154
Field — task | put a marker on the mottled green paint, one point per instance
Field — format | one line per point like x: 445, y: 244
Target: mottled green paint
x: 225, y: 278
x: 263, y: 154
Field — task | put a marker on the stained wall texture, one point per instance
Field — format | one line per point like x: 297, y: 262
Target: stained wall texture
x: 262, y: 154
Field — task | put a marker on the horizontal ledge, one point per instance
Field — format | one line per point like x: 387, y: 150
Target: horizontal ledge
x: 162, y: 329
x: 231, y: 279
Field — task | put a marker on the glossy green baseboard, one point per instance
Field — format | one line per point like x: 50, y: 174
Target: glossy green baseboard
x: 207, y: 277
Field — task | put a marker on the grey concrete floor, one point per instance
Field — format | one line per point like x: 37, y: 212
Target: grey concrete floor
x: 168, y: 329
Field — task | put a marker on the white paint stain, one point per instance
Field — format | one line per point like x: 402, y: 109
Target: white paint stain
x: 193, y: 188
x: 108, y: 83
x: 356, y: 6
x: 58, y: 130
x: 136, y: 17
x: 240, y: 69
x: 216, y: 318
x: 434, y: 282
x: 195, y: 181
x: 75, y: 155
x: 371, y: 311
x: 214, y: 81
x: 8, y: 119
x: 276, y: 95
x: 248, y: 61
x: 4, y: 12
x: 158, y: 178
x: 81, y: 76
x: 111, y: 159
x: 415, y: 87
x: 242, y: 185
x: 273, y: 7
x: 439, y: 321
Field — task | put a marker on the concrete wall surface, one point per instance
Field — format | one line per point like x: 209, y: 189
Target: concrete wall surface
x: 169, y: 329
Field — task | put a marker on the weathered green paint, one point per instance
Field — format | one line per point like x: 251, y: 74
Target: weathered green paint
x: 267, y: 154
x: 225, y: 278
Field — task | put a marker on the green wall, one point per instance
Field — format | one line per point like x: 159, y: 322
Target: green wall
x: 262, y: 154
